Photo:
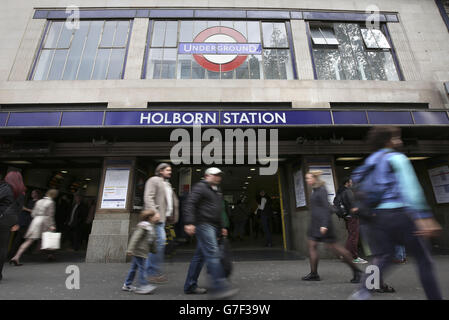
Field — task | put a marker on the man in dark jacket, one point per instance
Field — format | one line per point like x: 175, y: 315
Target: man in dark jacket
x: 346, y: 196
x: 202, y: 216
x: 75, y: 222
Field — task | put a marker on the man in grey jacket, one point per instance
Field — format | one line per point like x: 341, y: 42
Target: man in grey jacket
x: 159, y: 196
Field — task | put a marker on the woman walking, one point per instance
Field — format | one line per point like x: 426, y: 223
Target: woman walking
x: 12, y: 195
x: 321, y: 229
x: 43, y: 220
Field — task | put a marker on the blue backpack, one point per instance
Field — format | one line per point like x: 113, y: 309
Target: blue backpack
x: 368, y: 191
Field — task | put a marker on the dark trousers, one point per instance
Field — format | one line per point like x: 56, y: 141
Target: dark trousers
x: 352, y: 225
x: 266, y: 228
x: 75, y: 235
x: 394, y: 226
x: 4, y: 242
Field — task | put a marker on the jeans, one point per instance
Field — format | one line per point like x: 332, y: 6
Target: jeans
x: 207, y: 251
x: 154, y: 262
x: 399, y: 253
x: 394, y: 226
x: 137, y: 264
x: 352, y: 225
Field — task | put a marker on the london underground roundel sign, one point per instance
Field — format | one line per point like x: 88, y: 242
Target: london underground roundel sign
x: 220, y: 49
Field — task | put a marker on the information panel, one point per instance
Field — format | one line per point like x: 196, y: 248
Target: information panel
x: 440, y: 183
x: 115, y: 188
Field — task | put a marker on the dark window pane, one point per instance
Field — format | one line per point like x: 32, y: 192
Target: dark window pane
x: 255, y: 67
x: 169, y: 64
x: 90, y: 50
x: 121, y: 35
x: 285, y: 64
x: 158, y: 34
x: 271, y: 64
x: 108, y: 33
x: 76, y: 50
x: 198, y: 72
x: 53, y: 34
x: 43, y: 65
x: 184, y: 66
x: 227, y: 75
x: 101, y: 64
x: 116, y: 64
x: 213, y: 75
x: 57, y: 65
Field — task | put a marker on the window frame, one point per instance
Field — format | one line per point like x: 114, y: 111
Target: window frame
x: 383, y: 29
x: 290, y: 47
x: 98, y: 46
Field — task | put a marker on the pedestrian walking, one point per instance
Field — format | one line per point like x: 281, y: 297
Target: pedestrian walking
x: 76, y: 222
x: 396, y: 208
x: 239, y: 219
x: 160, y: 197
x: 43, y: 220
x: 142, y: 242
x: 203, y: 217
x: 12, y: 196
x: 24, y: 221
x: 321, y: 229
x: 265, y: 212
x: 400, y: 255
x: 345, y: 197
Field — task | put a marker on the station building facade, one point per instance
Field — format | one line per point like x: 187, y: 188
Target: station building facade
x: 101, y: 87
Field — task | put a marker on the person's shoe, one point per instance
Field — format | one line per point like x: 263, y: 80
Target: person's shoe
x: 359, y: 260
x: 311, y: 277
x: 225, y: 294
x: 400, y: 261
x: 15, y: 263
x: 357, y: 277
x: 145, y: 289
x: 128, y: 288
x: 158, y: 279
x: 197, y: 291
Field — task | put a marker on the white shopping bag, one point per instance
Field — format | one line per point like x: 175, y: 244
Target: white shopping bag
x: 51, y: 240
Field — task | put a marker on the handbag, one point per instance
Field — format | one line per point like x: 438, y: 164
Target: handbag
x: 51, y: 241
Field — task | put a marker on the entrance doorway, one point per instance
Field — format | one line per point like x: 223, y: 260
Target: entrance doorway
x: 241, y: 186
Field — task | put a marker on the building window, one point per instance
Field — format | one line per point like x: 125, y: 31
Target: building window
x: 96, y: 50
x: 349, y: 51
x: 264, y: 48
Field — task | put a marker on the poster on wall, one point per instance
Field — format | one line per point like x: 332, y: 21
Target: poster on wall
x: 328, y: 178
x: 115, y: 188
x: 440, y: 183
x: 185, y: 181
x: 299, y: 189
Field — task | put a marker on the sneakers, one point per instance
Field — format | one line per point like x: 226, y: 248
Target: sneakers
x: 225, y: 294
x: 145, y: 289
x: 359, y: 260
x: 311, y: 277
x: 197, y: 291
x: 128, y: 288
x: 158, y: 279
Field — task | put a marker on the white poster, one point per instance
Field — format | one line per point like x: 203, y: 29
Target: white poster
x: 328, y: 178
x: 299, y: 189
x: 115, y: 188
x: 440, y: 183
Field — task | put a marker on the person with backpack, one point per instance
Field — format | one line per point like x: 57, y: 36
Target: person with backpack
x: 345, y: 202
x: 321, y: 229
x: 394, y: 209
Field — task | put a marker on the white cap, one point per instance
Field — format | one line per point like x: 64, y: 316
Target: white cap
x: 213, y: 171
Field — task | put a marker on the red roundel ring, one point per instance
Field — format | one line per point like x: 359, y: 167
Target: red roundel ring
x: 234, y: 64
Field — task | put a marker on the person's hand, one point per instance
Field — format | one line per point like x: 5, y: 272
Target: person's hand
x: 427, y: 227
x: 323, y: 230
x: 52, y: 228
x: 224, y: 232
x: 189, y: 229
x: 15, y: 227
x: 354, y: 210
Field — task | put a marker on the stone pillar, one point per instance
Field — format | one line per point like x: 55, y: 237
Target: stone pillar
x: 111, y: 228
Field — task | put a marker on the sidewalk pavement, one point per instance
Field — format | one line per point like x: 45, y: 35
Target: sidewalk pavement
x: 257, y: 280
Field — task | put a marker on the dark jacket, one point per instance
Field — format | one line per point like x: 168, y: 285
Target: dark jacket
x: 9, y: 207
x: 347, y: 199
x: 320, y: 214
x: 143, y: 240
x: 80, y: 216
x: 204, y: 205
x: 267, y: 211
